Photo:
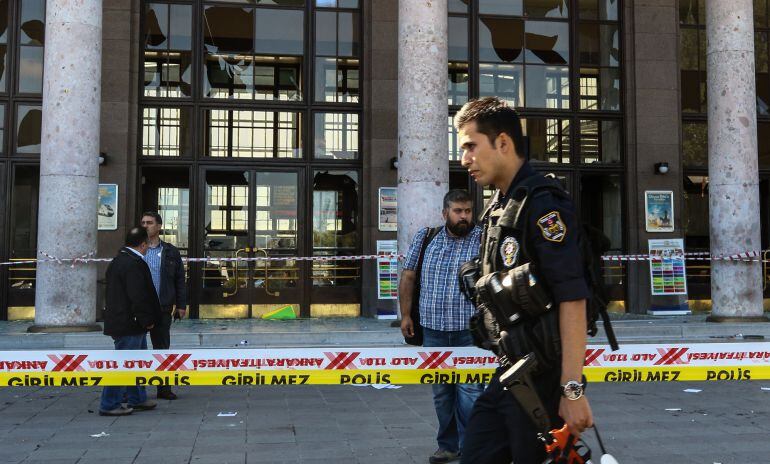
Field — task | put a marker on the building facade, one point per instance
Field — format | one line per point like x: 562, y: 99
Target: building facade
x: 266, y: 128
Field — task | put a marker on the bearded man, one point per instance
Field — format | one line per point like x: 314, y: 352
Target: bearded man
x: 444, y: 311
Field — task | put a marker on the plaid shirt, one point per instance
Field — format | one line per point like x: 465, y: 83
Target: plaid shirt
x: 442, y: 305
x: 153, y: 258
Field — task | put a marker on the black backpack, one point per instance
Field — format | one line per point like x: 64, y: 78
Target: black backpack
x: 592, y: 243
x: 414, y: 312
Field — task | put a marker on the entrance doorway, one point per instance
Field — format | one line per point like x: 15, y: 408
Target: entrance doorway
x: 250, y: 214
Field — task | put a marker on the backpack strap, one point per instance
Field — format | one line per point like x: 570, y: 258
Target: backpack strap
x: 429, y: 236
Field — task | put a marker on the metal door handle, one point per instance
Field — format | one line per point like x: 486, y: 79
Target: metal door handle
x: 235, y: 272
x: 267, y: 272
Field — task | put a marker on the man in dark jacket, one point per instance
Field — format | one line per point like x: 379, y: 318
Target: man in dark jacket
x: 167, y: 273
x: 132, y: 308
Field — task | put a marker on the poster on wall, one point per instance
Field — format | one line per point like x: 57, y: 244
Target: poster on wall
x: 667, y: 271
x: 388, y: 221
x: 659, y: 210
x: 107, y: 207
x: 387, y: 270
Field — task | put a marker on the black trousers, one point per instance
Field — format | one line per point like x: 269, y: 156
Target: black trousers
x: 160, y: 336
x: 500, y: 431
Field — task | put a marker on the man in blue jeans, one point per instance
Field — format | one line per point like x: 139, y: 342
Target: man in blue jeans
x: 444, y: 311
x: 132, y: 308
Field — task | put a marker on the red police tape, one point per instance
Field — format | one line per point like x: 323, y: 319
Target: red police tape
x: 747, y: 256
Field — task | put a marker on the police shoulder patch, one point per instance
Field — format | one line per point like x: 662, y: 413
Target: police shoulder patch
x: 552, y: 226
x: 509, y: 251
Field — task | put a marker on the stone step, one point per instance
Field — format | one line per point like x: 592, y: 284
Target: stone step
x: 362, y: 332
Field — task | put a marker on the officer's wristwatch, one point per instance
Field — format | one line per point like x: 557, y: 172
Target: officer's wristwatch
x: 573, y: 390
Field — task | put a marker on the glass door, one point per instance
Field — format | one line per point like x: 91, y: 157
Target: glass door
x: 23, y: 241
x: 249, y: 217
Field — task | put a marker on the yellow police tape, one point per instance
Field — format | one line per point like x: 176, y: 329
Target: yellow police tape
x: 361, y: 377
x: 261, y: 377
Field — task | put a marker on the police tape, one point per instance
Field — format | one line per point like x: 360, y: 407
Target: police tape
x: 749, y: 256
x: 87, y: 258
x: 408, y: 365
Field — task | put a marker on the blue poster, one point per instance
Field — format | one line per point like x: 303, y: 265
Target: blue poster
x: 107, y: 207
x: 659, y: 211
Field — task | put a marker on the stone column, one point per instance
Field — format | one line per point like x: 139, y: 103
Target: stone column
x: 423, y: 160
x: 736, y: 287
x: 65, y: 296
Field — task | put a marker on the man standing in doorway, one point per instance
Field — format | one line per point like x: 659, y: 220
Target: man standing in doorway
x: 131, y: 309
x: 444, y: 311
x: 168, y: 277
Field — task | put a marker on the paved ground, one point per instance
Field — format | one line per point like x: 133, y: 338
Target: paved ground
x: 724, y: 423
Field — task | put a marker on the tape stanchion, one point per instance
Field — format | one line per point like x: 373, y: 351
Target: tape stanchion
x: 408, y: 365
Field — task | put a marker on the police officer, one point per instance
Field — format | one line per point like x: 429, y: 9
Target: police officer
x: 499, y: 430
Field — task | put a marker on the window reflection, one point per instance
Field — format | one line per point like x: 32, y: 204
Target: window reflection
x: 31, y: 40
x: 603, y: 10
x: 32, y: 23
x: 336, y: 135
x: 337, y: 45
x: 600, y: 88
x: 3, y: 67
x: 549, y: 139
x: 264, y: 2
x: 600, y: 141
x: 2, y: 128
x: 336, y: 3
x: 763, y: 73
x: 695, y: 144
x: 547, y: 87
x: 501, y: 39
x: 337, y: 80
x: 253, y: 134
x: 167, y: 191
x: 23, y: 227
x: 690, y: 12
x: 30, y: 69
x: 227, y: 209
x: 760, y: 13
x: 458, y: 6
x: 253, y: 53
x: 609, y: 84
x: 455, y: 152
x: 501, y: 7
x: 279, y: 32
x: 29, y: 121
x: 166, y: 132
x: 4, y: 21
x: 546, y: 8
x: 275, y: 220
x: 502, y: 80
x: 335, y: 227
x: 547, y: 42
x: 168, y: 51
x: 457, y: 83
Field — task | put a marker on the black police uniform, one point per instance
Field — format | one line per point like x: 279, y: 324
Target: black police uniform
x: 499, y: 430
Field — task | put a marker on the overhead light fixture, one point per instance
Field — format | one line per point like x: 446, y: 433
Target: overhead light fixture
x: 102, y: 158
x: 661, y: 168
x: 394, y: 163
